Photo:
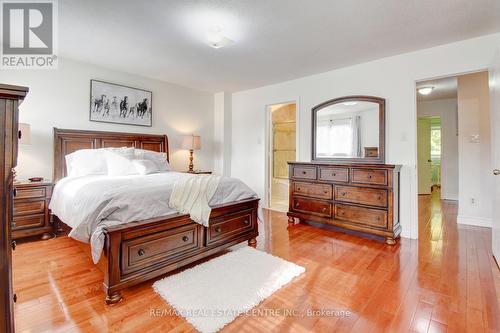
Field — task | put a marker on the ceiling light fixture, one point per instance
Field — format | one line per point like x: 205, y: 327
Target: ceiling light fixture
x: 350, y: 103
x: 425, y: 90
x: 216, y: 39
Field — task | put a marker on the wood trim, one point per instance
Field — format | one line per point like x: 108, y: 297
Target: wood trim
x: 68, y: 140
x: 374, y: 160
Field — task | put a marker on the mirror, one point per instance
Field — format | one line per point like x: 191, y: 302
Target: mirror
x: 349, y: 129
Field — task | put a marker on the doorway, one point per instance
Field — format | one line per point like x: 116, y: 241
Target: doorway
x: 437, y: 138
x: 281, y: 150
x: 454, y: 144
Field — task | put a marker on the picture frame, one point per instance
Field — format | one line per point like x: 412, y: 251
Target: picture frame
x: 120, y: 104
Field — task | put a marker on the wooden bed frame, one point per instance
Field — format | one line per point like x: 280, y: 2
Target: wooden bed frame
x: 142, y: 250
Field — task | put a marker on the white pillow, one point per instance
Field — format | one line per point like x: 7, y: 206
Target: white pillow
x: 145, y: 167
x: 159, y: 159
x: 85, y: 162
x: 120, y: 164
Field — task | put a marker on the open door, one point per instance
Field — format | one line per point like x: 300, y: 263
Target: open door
x: 424, y: 156
x: 495, y: 133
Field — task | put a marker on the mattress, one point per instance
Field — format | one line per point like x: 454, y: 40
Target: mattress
x: 89, y: 204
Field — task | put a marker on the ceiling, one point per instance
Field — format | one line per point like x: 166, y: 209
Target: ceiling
x: 443, y: 88
x: 273, y: 40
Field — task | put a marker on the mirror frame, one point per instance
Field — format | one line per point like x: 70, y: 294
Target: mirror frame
x: 381, y: 123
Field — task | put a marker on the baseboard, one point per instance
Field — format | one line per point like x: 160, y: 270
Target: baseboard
x: 474, y: 220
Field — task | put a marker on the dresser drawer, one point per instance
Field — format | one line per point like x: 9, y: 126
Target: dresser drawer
x: 26, y: 222
x: 316, y: 207
x: 360, y: 215
x: 162, y: 247
x: 230, y: 227
x: 321, y: 191
x: 34, y: 192
x: 369, y: 176
x: 334, y: 174
x: 29, y: 207
x: 304, y: 172
x: 360, y: 195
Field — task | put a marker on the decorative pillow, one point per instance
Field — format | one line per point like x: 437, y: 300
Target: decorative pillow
x: 85, y: 162
x: 159, y: 159
x: 120, y: 163
x: 145, y: 167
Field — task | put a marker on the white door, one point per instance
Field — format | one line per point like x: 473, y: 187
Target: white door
x: 495, y: 131
x: 424, y: 155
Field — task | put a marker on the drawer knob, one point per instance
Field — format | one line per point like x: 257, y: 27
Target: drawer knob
x: 297, y: 204
x: 343, y: 194
x: 14, y: 244
x: 379, y: 198
x: 217, y: 229
x: 303, y: 172
x: 185, y: 238
x: 14, y: 192
x: 326, y: 191
x: 334, y: 174
x: 369, y: 176
x: 323, y: 209
x: 298, y: 188
x: 246, y: 222
x: 378, y: 218
x: 141, y: 252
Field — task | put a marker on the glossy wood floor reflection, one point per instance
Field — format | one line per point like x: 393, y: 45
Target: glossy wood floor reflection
x: 444, y: 282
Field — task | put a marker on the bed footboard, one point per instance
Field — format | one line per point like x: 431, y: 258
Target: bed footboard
x: 139, y: 251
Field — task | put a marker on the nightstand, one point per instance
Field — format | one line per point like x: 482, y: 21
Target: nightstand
x: 199, y: 172
x: 31, y: 210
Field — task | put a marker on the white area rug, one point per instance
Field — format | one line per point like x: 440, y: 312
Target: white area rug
x: 214, y: 293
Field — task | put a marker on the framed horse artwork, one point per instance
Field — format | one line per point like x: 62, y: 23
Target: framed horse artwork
x: 116, y: 103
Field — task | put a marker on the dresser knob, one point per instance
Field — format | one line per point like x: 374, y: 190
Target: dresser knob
x: 298, y: 188
x: 379, y: 198
x: 326, y: 191
x: 323, y: 209
x: 343, y: 194
x: 246, y: 222
x: 334, y: 174
x: 141, y: 252
x: 217, y: 229
x: 14, y: 192
x: 303, y: 172
x: 185, y: 238
x: 369, y: 176
x: 14, y: 244
x: 296, y: 204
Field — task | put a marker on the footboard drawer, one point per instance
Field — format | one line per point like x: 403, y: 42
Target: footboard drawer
x: 161, y: 247
x: 230, y: 226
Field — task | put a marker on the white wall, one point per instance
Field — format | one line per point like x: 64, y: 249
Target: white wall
x: 60, y: 98
x: 392, y: 78
x: 476, y: 180
x: 446, y: 109
x: 222, y: 133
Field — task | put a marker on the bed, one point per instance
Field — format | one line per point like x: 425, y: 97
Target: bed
x: 139, y: 250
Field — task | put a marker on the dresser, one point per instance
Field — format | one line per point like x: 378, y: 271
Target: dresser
x: 359, y: 197
x: 10, y: 98
x: 31, y: 210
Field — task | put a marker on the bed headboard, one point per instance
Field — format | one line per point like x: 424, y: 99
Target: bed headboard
x: 67, y: 141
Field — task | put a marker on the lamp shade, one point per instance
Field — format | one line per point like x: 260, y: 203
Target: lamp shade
x: 24, y: 134
x: 191, y: 142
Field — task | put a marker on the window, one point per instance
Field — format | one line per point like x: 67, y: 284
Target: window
x: 336, y: 137
x: 436, y: 142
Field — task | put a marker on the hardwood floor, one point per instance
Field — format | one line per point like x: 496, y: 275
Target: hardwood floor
x: 445, y: 281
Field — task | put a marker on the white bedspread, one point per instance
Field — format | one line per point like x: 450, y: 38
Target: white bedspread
x: 89, y: 204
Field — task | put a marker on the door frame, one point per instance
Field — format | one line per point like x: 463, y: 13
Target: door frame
x: 414, y: 226
x: 269, y: 142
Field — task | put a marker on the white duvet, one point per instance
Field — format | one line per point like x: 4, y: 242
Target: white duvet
x: 91, y: 203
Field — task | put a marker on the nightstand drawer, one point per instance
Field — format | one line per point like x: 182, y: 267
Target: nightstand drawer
x: 26, y: 222
x: 29, y: 207
x: 28, y: 193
